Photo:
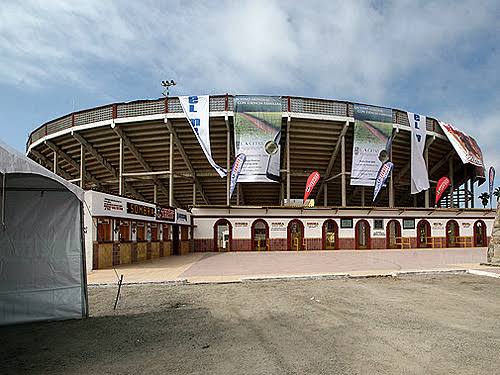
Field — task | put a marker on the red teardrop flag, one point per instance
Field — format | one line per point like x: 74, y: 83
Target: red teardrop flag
x: 442, y: 185
x: 312, y: 180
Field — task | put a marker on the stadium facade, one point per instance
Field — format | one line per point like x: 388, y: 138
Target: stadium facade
x: 156, y: 181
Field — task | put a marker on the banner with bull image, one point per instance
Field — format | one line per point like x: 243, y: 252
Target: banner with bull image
x: 257, y: 134
x: 372, y: 142
x: 197, y: 111
x: 467, y: 148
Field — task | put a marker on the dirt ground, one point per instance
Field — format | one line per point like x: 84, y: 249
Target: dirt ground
x: 407, y: 325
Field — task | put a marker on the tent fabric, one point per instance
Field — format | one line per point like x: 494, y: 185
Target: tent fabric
x: 42, y: 272
x: 12, y: 161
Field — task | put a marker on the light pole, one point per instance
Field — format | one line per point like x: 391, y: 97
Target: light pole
x: 167, y: 84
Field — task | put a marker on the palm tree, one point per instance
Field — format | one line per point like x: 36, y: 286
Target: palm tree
x: 496, y: 193
x: 485, y: 197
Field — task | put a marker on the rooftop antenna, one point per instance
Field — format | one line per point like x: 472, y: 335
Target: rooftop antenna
x: 167, y: 84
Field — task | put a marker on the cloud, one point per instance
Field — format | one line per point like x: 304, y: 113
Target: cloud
x: 437, y: 58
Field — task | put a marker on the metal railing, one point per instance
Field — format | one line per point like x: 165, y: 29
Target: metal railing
x: 218, y: 103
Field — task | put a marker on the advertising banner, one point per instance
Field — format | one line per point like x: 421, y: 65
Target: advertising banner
x: 442, y: 185
x: 257, y: 134
x: 372, y: 138
x: 467, y: 148
x: 382, y: 175
x: 197, y: 111
x: 235, y: 172
x: 491, y: 175
x: 312, y: 180
x: 419, y: 175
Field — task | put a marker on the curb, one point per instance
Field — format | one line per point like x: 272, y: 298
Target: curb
x: 484, y: 273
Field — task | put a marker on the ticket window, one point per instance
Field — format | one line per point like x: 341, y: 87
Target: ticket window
x: 124, y: 230
x: 141, y: 232
x: 103, y: 230
x: 154, y: 232
x: 165, y: 234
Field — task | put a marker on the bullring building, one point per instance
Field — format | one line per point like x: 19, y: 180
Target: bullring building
x: 161, y: 179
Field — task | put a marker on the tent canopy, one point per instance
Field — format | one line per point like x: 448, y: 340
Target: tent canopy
x: 42, y: 268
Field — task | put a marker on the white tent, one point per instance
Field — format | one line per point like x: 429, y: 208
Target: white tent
x: 42, y: 255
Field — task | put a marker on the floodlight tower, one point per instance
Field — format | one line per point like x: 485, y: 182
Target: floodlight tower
x: 167, y: 84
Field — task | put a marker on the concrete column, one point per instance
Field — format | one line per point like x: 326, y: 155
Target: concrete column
x: 325, y: 195
x: 472, y: 203
x: 289, y: 120
x: 155, y: 193
x: 171, y: 172
x: 342, y: 155
x: 54, y: 167
x: 82, y: 167
x: 414, y: 200
x: 237, y: 194
x: 194, y: 193
x: 391, y: 191
x: 427, y: 192
x: 120, y: 169
x: 362, y: 196
x: 450, y: 173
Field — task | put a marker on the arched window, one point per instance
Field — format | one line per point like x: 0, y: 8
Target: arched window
x: 393, y: 231
x: 295, y: 235
x: 452, y: 232
x: 363, y: 240
x: 223, y: 235
x: 260, y: 235
x: 480, y: 238
x: 330, y: 235
x: 423, y: 234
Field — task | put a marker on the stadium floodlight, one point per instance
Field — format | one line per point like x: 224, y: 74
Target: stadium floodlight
x: 167, y: 84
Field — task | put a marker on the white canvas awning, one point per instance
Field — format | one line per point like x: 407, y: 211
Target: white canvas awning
x: 42, y: 268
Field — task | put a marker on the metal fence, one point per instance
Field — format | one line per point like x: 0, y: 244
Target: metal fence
x: 217, y: 104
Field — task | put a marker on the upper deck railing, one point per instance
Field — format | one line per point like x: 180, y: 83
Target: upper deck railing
x: 218, y: 103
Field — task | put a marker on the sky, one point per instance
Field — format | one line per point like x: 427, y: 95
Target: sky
x: 436, y: 58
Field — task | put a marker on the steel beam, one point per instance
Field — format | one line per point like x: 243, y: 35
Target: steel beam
x: 47, y: 163
x: 70, y: 161
x: 185, y: 157
x: 106, y: 164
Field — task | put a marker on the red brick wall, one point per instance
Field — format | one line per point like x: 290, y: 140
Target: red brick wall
x: 242, y: 245
x: 277, y: 244
x: 203, y: 244
x: 314, y: 243
x: 347, y: 243
x: 378, y: 243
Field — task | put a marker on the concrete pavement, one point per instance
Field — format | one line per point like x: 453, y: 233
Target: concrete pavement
x: 238, y: 266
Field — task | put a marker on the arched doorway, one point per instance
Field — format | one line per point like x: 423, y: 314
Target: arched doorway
x: 260, y: 235
x: 330, y: 235
x: 393, y: 231
x: 480, y: 238
x: 223, y: 235
x: 295, y: 235
x: 423, y: 233
x: 452, y: 232
x: 362, y: 235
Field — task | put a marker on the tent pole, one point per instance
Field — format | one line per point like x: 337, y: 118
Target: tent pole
x: 85, y: 295
x: 4, y: 178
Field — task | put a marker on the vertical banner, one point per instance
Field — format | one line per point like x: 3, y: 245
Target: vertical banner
x: 382, y: 175
x: 372, y: 138
x: 491, y: 176
x: 443, y: 184
x: 235, y: 172
x: 312, y: 180
x: 197, y: 110
x: 257, y: 134
x: 419, y: 174
x: 467, y: 148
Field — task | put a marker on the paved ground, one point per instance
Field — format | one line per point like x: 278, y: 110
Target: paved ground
x: 408, y: 325
x: 208, y: 267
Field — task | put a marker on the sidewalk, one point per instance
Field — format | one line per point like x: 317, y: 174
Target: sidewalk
x: 237, y: 266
